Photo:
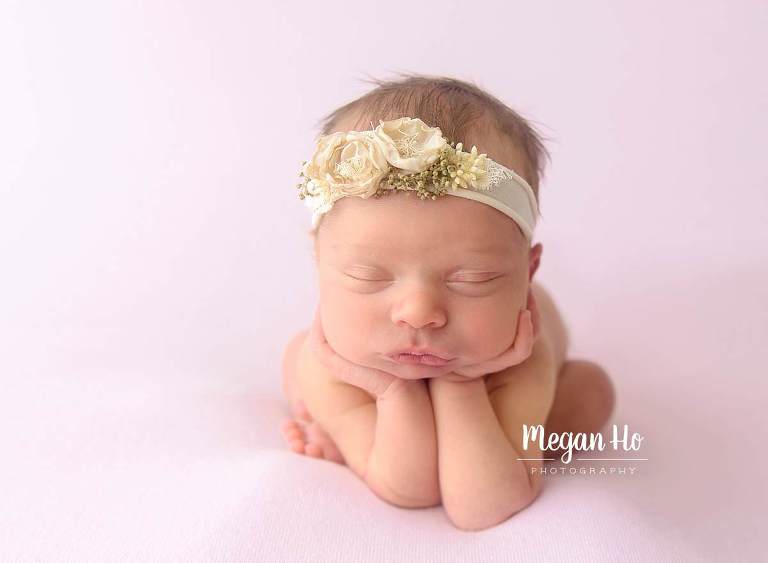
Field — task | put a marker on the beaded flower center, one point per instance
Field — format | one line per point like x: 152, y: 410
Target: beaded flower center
x: 351, y: 167
x: 406, y: 146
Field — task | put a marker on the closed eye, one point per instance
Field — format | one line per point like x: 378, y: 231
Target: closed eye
x: 362, y: 279
x: 476, y: 281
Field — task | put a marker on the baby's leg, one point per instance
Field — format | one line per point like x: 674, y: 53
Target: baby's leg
x: 552, y: 324
x: 584, y: 396
x: 584, y: 399
x: 302, y: 434
x: 290, y: 366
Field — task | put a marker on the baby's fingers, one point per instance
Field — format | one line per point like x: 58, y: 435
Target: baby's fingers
x: 371, y: 380
x: 327, y: 355
x: 318, y: 343
x: 533, y: 307
x: 523, y: 344
x: 521, y: 348
x: 316, y: 336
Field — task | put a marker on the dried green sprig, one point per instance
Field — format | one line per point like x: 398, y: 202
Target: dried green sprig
x: 302, y: 186
x: 430, y: 183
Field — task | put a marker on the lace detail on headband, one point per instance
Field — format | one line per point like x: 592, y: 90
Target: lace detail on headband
x: 497, y: 173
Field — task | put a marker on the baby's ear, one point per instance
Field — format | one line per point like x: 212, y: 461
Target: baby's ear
x: 534, y: 259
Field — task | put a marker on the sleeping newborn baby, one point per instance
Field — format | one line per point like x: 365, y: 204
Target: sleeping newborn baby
x: 431, y: 345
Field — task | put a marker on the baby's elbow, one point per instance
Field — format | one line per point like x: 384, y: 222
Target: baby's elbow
x: 474, y: 517
x: 418, y: 498
x: 416, y: 492
x: 425, y: 500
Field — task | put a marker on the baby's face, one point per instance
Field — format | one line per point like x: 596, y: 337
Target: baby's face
x: 396, y: 272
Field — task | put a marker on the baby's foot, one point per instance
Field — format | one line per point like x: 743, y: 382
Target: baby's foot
x: 305, y: 436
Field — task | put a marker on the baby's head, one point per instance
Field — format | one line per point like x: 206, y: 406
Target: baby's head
x: 450, y: 274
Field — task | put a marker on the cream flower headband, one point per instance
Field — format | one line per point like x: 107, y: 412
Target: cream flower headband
x: 406, y: 154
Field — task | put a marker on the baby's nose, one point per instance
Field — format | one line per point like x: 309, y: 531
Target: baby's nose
x: 419, y: 309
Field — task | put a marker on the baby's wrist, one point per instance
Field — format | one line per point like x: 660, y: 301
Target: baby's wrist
x: 400, y: 387
x: 454, y: 383
x: 455, y: 378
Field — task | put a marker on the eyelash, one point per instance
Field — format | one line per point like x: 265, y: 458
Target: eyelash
x: 465, y: 281
x: 477, y: 281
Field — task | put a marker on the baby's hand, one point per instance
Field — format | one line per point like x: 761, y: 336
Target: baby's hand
x: 518, y: 352
x: 374, y: 381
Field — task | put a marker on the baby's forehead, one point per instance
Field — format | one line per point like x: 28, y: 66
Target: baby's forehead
x: 401, y: 222
x: 404, y: 209
x: 372, y: 246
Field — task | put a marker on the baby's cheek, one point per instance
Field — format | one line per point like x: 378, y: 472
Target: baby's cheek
x: 346, y: 328
x: 487, y: 333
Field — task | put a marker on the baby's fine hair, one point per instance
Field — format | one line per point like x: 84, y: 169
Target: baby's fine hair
x: 461, y: 110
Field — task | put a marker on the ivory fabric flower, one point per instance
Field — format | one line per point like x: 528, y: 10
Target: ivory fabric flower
x: 410, y: 144
x: 347, y: 164
x: 470, y: 169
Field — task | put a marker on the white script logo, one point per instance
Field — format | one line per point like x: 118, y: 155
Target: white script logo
x: 580, y: 441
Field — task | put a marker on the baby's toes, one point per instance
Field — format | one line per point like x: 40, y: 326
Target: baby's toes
x: 313, y: 450
x: 302, y: 412
x: 316, y: 436
x: 298, y: 445
x: 292, y: 429
x: 294, y: 435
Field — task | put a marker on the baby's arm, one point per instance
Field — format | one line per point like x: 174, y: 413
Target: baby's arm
x: 389, y: 440
x: 403, y: 461
x: 479, y: 439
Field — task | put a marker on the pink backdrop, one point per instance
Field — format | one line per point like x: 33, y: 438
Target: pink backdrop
x: 154, y: 261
